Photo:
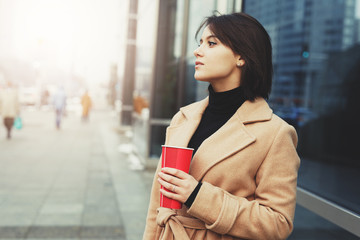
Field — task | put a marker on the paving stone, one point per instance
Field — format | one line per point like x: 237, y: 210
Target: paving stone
x: 58, y: 219
x: 62, y: 208
x: 13, y: 232
x: 100, y: 232
x: 53, y: 232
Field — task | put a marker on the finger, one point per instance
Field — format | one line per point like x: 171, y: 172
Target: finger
x: 171, y: 195
x: 175, y: 172
x: 168, y: 186
x: 170, y: 178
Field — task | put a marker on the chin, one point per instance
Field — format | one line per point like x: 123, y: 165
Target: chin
x: 201, y: 79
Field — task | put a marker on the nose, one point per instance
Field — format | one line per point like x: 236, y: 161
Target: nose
x: 198, y: 52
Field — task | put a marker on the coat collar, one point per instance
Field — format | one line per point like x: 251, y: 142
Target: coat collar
x: 250, y: 111
x: 232, y: 137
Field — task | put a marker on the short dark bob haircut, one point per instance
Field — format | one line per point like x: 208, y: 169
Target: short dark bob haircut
x: 248, y: 38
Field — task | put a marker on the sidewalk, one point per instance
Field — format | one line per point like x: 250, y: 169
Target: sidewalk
x: 72, y: 183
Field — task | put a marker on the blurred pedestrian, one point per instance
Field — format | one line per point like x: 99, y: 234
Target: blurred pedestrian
x: 59, y: 101
x: 86, y: 106
x: 243, y: 175
x: 9, y: 106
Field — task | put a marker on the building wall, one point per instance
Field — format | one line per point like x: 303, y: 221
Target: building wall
x: 316, y: 60
x: 165, y: 66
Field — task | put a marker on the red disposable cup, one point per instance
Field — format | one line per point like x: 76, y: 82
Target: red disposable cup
x: 174, y: 157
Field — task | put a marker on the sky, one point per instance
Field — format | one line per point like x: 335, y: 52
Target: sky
x: 82, y: 37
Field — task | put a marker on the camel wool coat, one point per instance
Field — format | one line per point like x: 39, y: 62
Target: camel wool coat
x: 248, y: 170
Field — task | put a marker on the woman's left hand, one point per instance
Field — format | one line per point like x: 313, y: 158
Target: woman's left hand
x: 179, y: 183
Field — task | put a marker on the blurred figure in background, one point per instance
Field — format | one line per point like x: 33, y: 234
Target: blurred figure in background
x: 9, y: 106
x: 86, y: 105
x: 59, y: 101
x: 44, y: 97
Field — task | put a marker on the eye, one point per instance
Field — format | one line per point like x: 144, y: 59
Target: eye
x: 211, y: 43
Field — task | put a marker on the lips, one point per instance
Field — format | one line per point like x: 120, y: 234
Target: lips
x: 198, y: 63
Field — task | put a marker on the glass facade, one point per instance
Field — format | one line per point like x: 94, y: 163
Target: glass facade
x: 316, y: 80
x: 172, y: 74
x: 145, y: 44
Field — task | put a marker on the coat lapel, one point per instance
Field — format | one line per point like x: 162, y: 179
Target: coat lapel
x: 232, y: 137
x: 229, y: 139
x: 180, y: 135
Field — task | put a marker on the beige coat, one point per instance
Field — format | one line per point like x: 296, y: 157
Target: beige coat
x: 249, y: 173
x: 86, y: 104
x: 9, y: 103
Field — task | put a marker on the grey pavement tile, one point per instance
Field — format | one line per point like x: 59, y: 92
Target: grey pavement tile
x: 31, y: 186
x: 13, y: 232
x: 35, y: 202
x: 133, y: 236
x: 72, y: 187
x: 62, y: 208
x: 133, y: 204
x: 101, y: 209
x: 53, y: 232
x: 58, y: 220
x: 96, y: 219
x: 64, y: 200
x: 25, y: 198
x: 20, y: 193
x: 103, y: 200
x: 27, y: 209
x: 101, y: 232
x: 50, y: 239
x: 23, y: 219
x: 65, y: 192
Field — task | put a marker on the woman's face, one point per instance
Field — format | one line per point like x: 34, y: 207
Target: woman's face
x: 217, y: 63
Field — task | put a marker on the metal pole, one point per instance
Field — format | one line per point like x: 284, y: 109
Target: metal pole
x: 129, y: 72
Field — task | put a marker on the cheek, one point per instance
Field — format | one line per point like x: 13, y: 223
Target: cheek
x: 222, y: 66
x: 223, y: 59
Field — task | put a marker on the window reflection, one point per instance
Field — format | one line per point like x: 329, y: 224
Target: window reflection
x: 316, y: 82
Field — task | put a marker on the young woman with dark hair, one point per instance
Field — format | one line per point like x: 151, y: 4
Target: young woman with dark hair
x: 243, y: 175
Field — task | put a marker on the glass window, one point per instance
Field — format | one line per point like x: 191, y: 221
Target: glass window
x: 315, y: 88
x: 174, y: 84
x: 198, y: 10
x: 145, y: 42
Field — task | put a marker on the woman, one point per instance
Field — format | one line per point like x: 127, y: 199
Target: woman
x: 242, y: 179
x: 9, y: 107
x: 59, y: 101
x: 86, y: 106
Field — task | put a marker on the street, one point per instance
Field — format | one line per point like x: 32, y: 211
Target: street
x: 71, y: 183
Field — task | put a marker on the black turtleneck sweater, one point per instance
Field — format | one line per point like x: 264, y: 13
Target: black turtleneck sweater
x: 222, y: 106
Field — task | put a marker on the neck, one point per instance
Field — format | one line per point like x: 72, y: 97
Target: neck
x: 226, y: 84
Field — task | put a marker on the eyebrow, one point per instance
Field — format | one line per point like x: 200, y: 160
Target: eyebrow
x: 210, y: 36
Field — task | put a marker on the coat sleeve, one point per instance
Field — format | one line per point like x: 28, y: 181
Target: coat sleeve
x: 270, y: 214
x: 151, y: 227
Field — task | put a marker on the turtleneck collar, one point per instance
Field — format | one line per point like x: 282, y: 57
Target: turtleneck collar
x: 225, y: 102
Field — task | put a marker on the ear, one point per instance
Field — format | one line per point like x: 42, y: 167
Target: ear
x: 240, y: 62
